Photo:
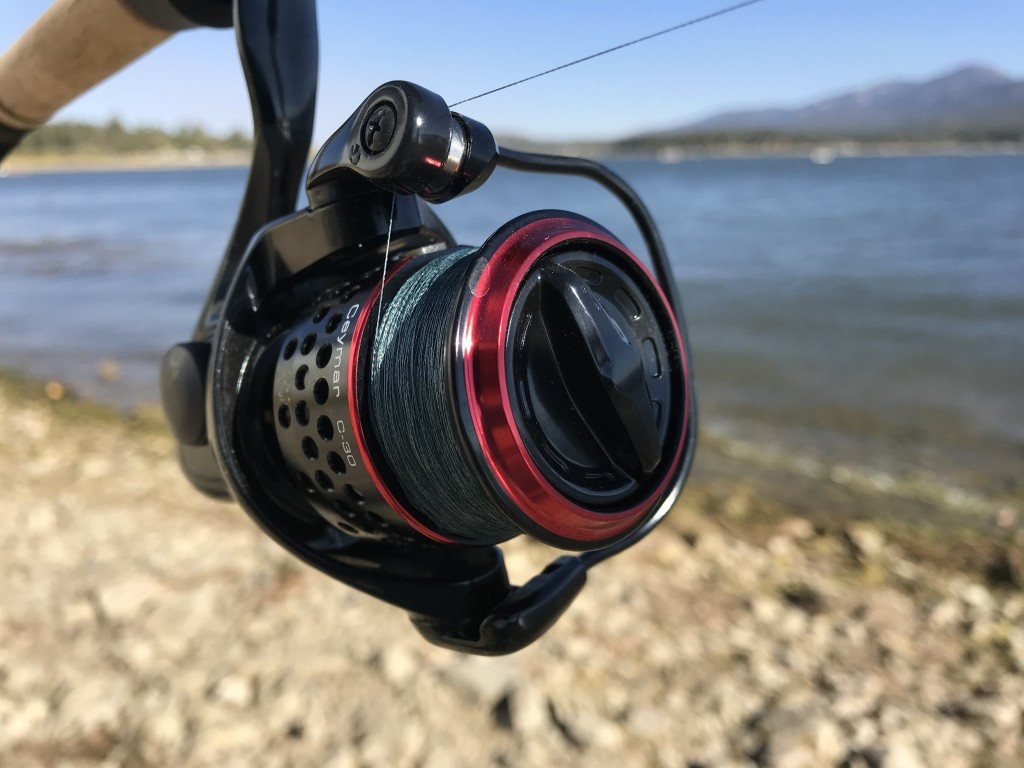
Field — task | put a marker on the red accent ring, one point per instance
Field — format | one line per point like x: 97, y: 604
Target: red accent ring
x: 357, y: 425
x: 485, y: 336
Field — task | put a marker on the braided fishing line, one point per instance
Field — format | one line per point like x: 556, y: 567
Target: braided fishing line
x: 683, y: 25
x: 387, y: 254
x: 410, y: 404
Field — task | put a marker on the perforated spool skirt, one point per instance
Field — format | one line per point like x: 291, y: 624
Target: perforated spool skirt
x: 535, y: 384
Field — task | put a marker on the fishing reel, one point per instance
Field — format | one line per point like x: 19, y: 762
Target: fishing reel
x: 389, y: 405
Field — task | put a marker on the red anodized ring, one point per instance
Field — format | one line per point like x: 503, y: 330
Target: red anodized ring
x: 485, y: 337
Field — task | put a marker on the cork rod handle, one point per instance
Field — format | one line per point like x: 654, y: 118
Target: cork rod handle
x: 73, y: 46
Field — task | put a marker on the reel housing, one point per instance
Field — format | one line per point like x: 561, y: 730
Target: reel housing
x: 555, y: 395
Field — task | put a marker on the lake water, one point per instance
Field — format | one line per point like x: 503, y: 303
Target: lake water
x: 868, y: 312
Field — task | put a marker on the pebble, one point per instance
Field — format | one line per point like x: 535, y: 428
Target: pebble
x: 126, y: 597
x: 529, y: 712
x: 54, y: 390
x: 1016, y: 643
x: 163, y: 735
x: 829, y: 743
x: 903, y: 753
x: 946, y: 614
x: 22, y: 720
x: 796, y: 528
x: 483, y: 679
x: 108, y: 371
x: 235, y: 691
x: 93, y: 708
x: 978, y: 598
x: 399, y: 666
x: 869, y: 541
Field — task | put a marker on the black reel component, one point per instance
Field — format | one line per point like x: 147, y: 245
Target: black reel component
x: 592, y: 364
x: 316, y: 437
x: 450, y: 154
x: 534, y: 385
x: 390, y: 432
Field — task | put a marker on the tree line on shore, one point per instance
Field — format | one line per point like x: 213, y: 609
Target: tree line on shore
x: 113, y: 138
x: 71, y: 138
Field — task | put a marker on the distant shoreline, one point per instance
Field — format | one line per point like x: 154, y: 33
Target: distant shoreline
x: 681, y: 150
x: 821, y: 153
x: 25, y: 165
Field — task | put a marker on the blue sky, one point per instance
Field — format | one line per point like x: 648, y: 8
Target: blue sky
x: 777, y: 52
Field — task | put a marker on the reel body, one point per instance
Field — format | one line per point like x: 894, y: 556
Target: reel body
x: 540, y: 371
x: 389, y: 406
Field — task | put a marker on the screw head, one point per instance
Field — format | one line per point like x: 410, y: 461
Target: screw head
x: 379, y: 128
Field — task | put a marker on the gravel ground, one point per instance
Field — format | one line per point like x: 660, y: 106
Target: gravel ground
x: 142, y: 624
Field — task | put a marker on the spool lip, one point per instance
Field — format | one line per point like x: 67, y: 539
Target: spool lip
x: 485, y: 329
x: 357, y: 428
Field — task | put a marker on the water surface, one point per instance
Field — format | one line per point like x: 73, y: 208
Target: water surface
x: 869, y: 312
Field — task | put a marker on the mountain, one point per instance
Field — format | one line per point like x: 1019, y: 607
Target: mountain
x: 971, y: 99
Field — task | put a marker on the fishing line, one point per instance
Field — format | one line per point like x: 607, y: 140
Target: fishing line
x: 690, y: 23
x: 410, y: 403
x: 387, y: 252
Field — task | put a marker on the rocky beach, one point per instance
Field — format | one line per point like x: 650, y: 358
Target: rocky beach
x: 144, y: 625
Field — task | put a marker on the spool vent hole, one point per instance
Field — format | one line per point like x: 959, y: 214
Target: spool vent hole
x: 323, y: 355
x: 309, y: 448
x: 307, y: 482
x: 308, y: 343
x: 300, y: 377
x: 321, y: 314
x: 302, y: 413
x: 336, y: 463
x: 284, y: 416
x: 325, y: 428
x: 289, y: 348
x: 333, y: 323
x: 320, y: 391
x: 353, y: 494
x: 324, y: 481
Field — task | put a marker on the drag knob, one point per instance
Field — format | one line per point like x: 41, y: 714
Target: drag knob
x: 591, y: 376
x: 601, y: 370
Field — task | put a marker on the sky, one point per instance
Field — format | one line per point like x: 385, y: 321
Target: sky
x: 779, y: 52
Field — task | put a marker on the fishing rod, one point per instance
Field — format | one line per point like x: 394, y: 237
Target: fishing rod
x: 387, y: 404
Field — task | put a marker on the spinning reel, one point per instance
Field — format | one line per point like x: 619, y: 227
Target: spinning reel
x: 388, y: 405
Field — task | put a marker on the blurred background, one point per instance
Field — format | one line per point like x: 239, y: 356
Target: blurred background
x: 841, y: 189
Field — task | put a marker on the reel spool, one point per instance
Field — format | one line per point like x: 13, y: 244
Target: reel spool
x: 534, y: 385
